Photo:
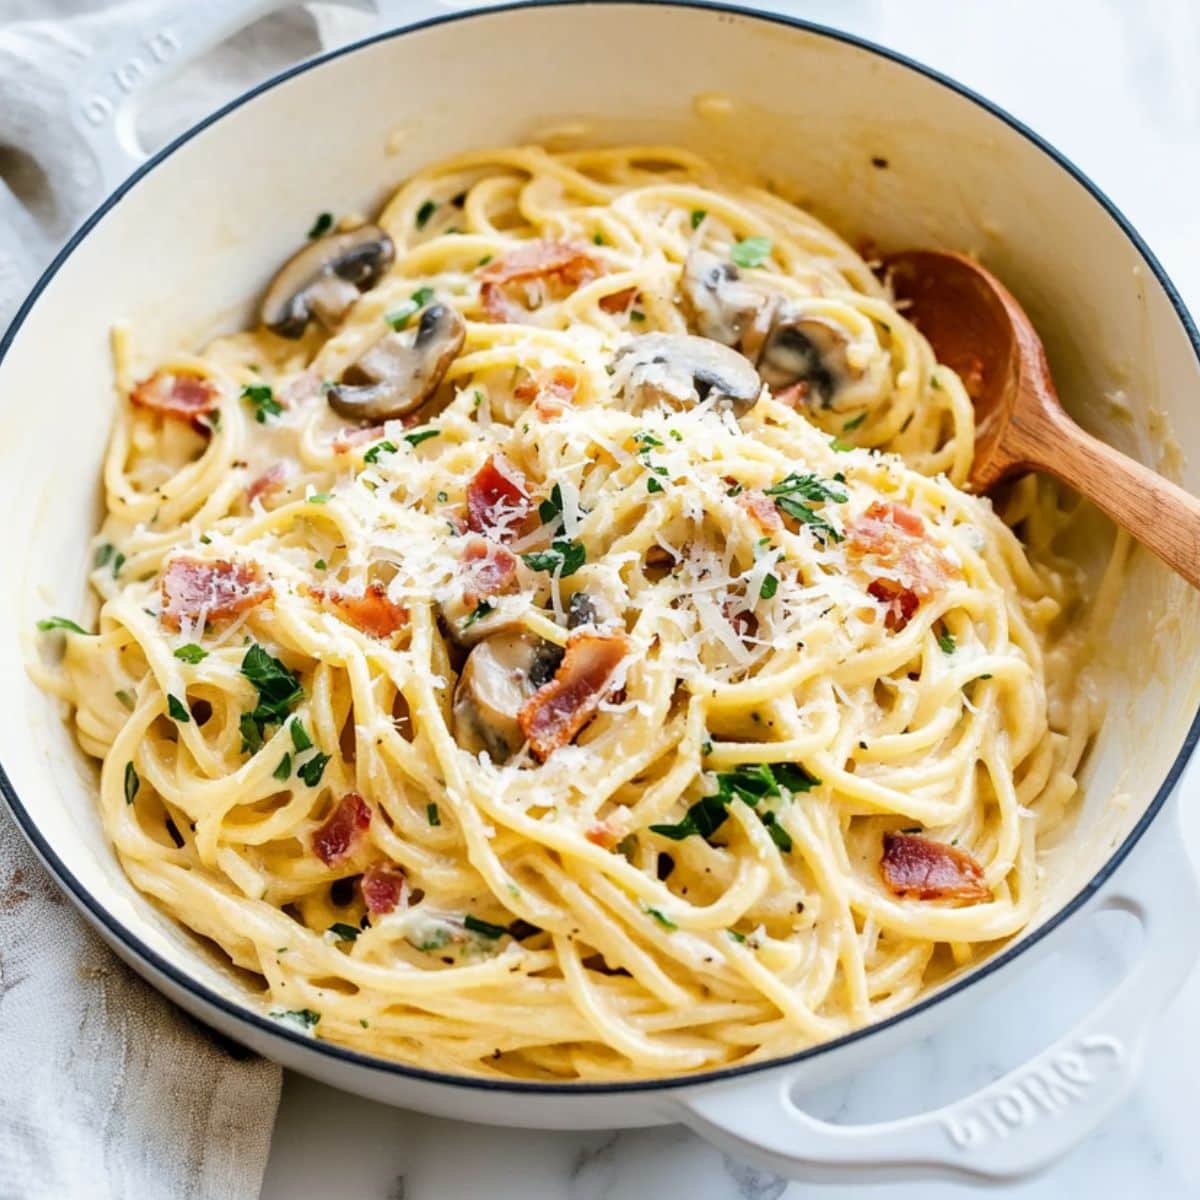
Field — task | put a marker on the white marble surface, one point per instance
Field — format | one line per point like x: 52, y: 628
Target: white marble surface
x: 1112, y: 83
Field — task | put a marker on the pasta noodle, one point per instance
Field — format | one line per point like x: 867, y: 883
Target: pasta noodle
x: 794, y: 709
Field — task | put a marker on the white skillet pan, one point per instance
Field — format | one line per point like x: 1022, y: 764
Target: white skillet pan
x: 182, y: 246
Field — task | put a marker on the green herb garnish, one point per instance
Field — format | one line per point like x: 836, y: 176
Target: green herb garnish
x: 300, y: 738
x: 386, y: 447
x: 481, y: 610
x: 191, y: 653
x: 432, y: 815
x: 660, y: 917
x: 321, y: 226
x: 262, y: 400
x: 854, y: 422
x: 303, y: 1018
x: 278, y: 690
x: 425, y: 212
x: 178, y: 710
x: 653, y: 485
x: 698, y: 215
x: 132, y: 783
x: 791, y: 492
x: 312, y: 770
x: 484, y: 928
x: 319, y: 498
x: 125, y: 697
x: 421, y: 435
x: 770, y: 585
x: 343, y: 932
x: 564, y: 558
x: 751, y: 251
x: 48, y: 623
x: 946, y: 642
x: 284, y: 770
x: 103, y: 553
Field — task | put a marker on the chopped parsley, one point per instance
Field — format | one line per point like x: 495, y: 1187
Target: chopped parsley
x: 636, y: 315
x: 343, y: 932
x: 421, y: 435
x: 319, y: 498
x: 770, y: 585
x: 312, y: 770
x: 646, y: 439
x: 103, y: 553
x: 751, y: 251
x: 191, y: 653
x: 750, y: 783
x: 838, y: 445
x: 278, y: 690
x: 698, y: 215
x: 563, y: 558
x: 303, y: 1018
x: 660, y: 917
x: 399, y: 318
x: 425, y: 212
x: 125, y: 697
x: 178, y: 710
x: 262, y: 400
x: 432, y: 815
x: 321, y: 565
x: 779, y: 835
x: 737, y: 937
x: 551, y: 508
x: 484, y: 928
x: 946, y: 642
x: 48, y: 623
x: 300, y: 738
x: 284, y: 770
x: 481, y: 610
x: 385, y: 447
x: 321, y: 226
x: 118, y: 563
x: 598, y: 239
x: 854, y: 422
x: 653, y: 485
x: 132, y: 783
x: 791, y: 492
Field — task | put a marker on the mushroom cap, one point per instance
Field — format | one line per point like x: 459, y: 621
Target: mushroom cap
x: 721, y: 305
x: 401, y: 370
x: 805, y: 349
x: 500, y: 674
x: 680, y: 369
x: 324, y: 278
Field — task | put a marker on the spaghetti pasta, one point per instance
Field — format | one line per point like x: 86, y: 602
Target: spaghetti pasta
x: 554, y: 726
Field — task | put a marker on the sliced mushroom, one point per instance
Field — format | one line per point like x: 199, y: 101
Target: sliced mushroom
x: 401, y: 370
x: 324, y: 278
x: 500, y: 674
x: 679, y: 369
x: 724, y: 307
x: 805, y: 349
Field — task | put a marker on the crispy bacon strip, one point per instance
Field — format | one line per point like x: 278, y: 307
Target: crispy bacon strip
x: 339, y: 837
x: 490, y: 570
x: 538, y: 269
x: 558, y: 710
x: 617, y: 302
x: 895, y: 537
x: 497, y: 499
x: 918, y: 867
x: 762, y: 509
x: 372, y: 612
x: 183, y: 397
x: 899, y: 602
x: 211, y: 591
x: 383, y: 885
x: 550, y: 392
x: 268, y: 482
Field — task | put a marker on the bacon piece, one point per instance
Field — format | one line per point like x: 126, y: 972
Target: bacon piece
x: 550, y: 392
x: 497, y: 499
x: 900, y: 602
x: 541, y: 269
x: 372, y: 612
x: 268, y: 482
x: 558, y: 710
x: 210, y: 591
x: 895, y: 537
x: 339, y: 837
x: 601, y: 835
x: 762, y: 509
x: 306, y: 386
x: 617, y: 302
x: 383, y: 886
x: 490, y: 571
x: 916, y: 866
x: 794, y: 396
x: 183, y: 397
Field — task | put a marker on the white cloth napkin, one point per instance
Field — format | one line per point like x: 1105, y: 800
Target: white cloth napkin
x: 107, y: 1091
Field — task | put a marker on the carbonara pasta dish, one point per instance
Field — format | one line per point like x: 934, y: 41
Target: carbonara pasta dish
x: 553, y: 642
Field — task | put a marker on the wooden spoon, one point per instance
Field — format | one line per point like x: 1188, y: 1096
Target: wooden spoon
x: 976, y: 327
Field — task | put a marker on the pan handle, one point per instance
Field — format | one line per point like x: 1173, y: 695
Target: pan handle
x: 1024, y: 1121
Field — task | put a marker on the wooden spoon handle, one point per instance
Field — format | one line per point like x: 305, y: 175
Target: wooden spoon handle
x: 1162, y: 516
